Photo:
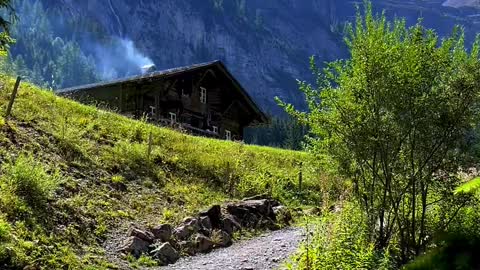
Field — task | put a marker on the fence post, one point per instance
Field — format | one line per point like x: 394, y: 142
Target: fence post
x: 12, y: 98
x: 150, y: 145
x: 300, y: 178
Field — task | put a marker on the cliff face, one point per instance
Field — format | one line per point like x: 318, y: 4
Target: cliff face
x: 266, y: 44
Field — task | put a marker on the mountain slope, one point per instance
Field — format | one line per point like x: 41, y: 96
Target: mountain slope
x: 72, y: 177
x: 266, y: 44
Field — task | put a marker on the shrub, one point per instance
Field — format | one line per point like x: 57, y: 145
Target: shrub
x: 341, y: 241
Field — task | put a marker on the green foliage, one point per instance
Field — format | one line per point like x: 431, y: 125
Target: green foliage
x: 25, y: 187
x: 392, y: 119
x: 41, y: 56
x: 341, y: 241
x: 470, y: 187
x: 8, y: 15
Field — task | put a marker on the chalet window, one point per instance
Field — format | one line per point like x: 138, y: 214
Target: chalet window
x: 152, y: 111
x: 173, y: 118
x: 215, y: 129
x: 228, y: 135
x: 203, y: 95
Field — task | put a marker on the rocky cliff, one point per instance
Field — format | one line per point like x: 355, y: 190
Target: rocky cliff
x: 266, y: 44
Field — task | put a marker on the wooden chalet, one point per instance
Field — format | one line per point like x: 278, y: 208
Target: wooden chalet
x: 204, y: 99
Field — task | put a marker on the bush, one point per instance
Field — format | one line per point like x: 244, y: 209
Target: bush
x: 341, y: 241
x: 25, y: 186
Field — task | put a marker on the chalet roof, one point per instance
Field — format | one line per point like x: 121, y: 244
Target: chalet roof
x: 170, y: 73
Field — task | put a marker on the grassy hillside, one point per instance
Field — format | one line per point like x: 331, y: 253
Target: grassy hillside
x: 72, y: 177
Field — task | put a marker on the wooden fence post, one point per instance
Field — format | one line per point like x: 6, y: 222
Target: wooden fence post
x: 300, y: 178
x: 12, y: 98
x: 150, y: 145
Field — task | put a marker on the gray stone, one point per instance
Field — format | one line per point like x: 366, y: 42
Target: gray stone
x: 144, y: 235
x: 243, y: 209
x: 215, y: 215
x: 203, y: 244
x: 187, y: 247
x: 165, y: 254
x: 135, y: 246
x: 162, y: 232
x: 221, y: 238
x: 192, y: 223
x: 229, y: 224
x: 283, y: 214
x: 206, y: 224
x: 182, y: 232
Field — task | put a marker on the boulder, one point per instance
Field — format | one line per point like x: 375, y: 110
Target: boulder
x: 229, y: 224
x: 165, y: 254
x: 144, y: 235
x: 258, y: 207
x: 163, y: 232
x: 192, y: 223
x: 203, y: 244
x: 135, y: 246
x: 206, y: 225
x: 264, y: 196
x: 221, y: 238
x: 182, y: 232
x: 215, y: 215
x: 187, y: 247
x: 283, y: 214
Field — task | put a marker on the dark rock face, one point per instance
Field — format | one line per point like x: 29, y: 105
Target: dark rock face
x: 266, y: 44
x: 214, y: 213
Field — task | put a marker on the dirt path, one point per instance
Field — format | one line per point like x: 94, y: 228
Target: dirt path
x: 268, y: 251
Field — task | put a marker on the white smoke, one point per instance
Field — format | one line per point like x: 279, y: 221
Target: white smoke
x: 120, y: 58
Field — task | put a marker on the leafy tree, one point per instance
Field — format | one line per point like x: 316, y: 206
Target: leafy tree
x: 392, y: 118
x: 8, y: 15
x: 41, y: 56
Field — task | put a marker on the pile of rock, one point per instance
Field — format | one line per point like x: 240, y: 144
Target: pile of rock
x: 210, y: 229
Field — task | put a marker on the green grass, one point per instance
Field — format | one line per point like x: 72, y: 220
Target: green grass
x: 471, y: 186
x: 91, y: 176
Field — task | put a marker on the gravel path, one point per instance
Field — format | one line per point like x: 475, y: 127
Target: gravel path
x: 268, y: 251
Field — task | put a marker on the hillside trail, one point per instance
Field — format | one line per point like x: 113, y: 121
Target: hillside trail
x: 268, y: 251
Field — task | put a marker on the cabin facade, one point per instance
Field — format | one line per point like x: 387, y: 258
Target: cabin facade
x: 204, y: 99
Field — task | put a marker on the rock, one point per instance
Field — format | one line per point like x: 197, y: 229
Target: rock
x: 162, y: 232
x: 144, y: 235
x: 135, y: 246
x: 206, y: 225
x: 182, y: 232
x: 315, y: 211
x: 221, y: 238
x: 215, y: 215
x: 257, y: 197
x: 267, y: 223
x: 203, y: 244
x: 229, y: 224
x: 187, y: 248
x: 258, y: 207
x: 165, y: 253
x: 282, y: 214
x: 192, y: 223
